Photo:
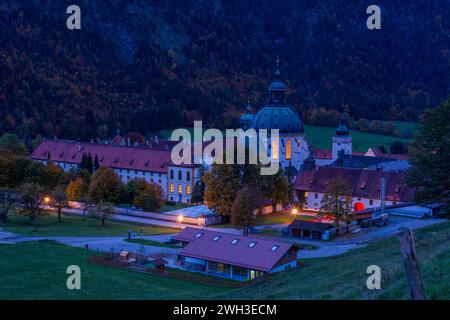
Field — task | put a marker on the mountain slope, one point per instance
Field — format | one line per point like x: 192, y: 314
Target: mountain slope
x: 138, y: 65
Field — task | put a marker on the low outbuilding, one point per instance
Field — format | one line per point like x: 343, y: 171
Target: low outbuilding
x: 311, y: 229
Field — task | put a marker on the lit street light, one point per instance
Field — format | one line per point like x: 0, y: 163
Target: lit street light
x: 180, y: 219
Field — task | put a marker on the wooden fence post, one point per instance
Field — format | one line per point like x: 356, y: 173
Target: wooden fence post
x: 411, y: 263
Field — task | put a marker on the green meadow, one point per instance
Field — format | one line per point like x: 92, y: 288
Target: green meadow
x: 37, y: 270
x: 320, y: 136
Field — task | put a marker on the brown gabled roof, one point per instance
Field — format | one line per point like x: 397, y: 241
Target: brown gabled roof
x: 317, y: 179
x: 259, y: 257
x: 363, y: 183
x: 309, y: 225
x: 124, y: 157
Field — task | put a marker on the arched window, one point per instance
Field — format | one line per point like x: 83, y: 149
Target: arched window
x: 275, y: 149
x: 188, y: 176
x: 180, y: 175
x: 180, y: 189
x: 288, y: 149
x: 188, y: 190
x: 171, y: 174
x: 172, y: 189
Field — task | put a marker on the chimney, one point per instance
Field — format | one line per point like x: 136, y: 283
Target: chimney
x: 79, y: 147
x: 156, y: 140
x: 55, y: 138
x: 92, y: 140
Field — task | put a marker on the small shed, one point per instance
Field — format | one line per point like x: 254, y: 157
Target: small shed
x: 157, y: 264
x: 311, y: 229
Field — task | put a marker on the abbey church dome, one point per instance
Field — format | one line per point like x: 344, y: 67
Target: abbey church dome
x: 277, y: 117
x: 276, y: 114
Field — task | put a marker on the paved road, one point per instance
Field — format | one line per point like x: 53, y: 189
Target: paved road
x: 334, y: 247
x: 102, y: 244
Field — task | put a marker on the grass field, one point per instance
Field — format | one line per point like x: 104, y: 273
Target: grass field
x: 320, y: 137
x: 270, y: 219
x: 344, y: 276
x: 151, y: 243
x: 37, y: 270
x: 75, y: 226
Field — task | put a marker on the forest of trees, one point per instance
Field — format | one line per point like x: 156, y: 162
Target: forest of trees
x: 138, y: 65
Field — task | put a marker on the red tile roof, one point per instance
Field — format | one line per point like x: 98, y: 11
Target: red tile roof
x: 259, y: 257
x: 317, y: 179
x: 124, y: 157
x: 363, y: 183
x: 322, y: 154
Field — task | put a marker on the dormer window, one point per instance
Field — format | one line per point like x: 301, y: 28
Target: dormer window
x: 198, y: 235
x: 274, y: 248
x: 235, y: 241
x: 252, y: 244
x: 216, y: 238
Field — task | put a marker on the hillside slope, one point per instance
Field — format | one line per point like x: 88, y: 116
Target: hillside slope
x: 138, y: 65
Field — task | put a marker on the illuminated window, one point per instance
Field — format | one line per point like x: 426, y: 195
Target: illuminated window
x: 180, y: 189
x: 275, y: 149
x: 188, y: 190
x: 288, y: 150
x: 172, y: 189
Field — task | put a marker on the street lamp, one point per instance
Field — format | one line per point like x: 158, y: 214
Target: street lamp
x: 294, y: 211
x: 47, y: 200
x: 180, y: 219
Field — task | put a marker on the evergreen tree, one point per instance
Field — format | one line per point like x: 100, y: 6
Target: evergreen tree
x: 336, y: 202
x: 429, y: 157
x: 96, y: 164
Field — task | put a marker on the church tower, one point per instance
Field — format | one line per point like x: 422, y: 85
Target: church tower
x: 342, y: 141
x: 290, y: 149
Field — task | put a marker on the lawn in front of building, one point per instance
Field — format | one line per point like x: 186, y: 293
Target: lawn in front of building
x: 37, y: 270
x: 75, y: 226
x: 151, y: 243
x: 282, y: 217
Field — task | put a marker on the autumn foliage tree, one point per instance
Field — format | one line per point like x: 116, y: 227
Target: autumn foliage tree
x: 222, y: 184
x: 246, y: 206
x: 31, y: 199
x: 77, y: 189
x: 105, y: 186
x: 59, y: 202
x: 149, y: 198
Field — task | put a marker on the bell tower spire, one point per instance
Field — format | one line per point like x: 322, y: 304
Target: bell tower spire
x: 277, y: 87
